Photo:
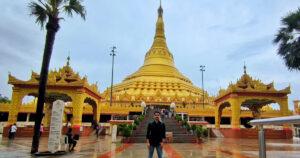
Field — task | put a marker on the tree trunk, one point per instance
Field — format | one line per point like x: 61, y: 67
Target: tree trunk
x: 52, y: 27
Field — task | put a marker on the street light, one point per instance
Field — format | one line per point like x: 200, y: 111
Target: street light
x: 143, y: 105
x: 202, y: 69
x: 173, y: 106
x: 113, y: 54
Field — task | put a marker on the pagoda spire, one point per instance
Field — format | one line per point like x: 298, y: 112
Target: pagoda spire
x: 159, y: 61
x: 245, y: 68
x: 160, y: 31
x: 160, y: 10
x: 68, y: 60
x: 159, y: 52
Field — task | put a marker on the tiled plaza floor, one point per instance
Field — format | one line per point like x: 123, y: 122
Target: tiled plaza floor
x: 90, y: 147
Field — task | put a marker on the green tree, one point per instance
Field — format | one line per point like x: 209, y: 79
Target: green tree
x: 48, y: 16
x: 4, y: 99
x: 288, y: 39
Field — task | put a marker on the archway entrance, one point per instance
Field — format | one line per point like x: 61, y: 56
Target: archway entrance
x: 251, y: 94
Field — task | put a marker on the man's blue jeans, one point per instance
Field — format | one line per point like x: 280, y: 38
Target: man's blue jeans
x: 158, y: 150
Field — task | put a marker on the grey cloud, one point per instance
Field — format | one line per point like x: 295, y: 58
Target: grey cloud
x: 233, y: 27
x: 250, y: 48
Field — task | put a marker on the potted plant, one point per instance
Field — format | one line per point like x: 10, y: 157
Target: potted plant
x: 126, y: 133
x: 188, y: 128
x: 205, y: 132
x: 141, y: 118
x: 178, y: 118
x: 194, y: 128
x: 137, y: 122
x: 199, y: 133
x: 134, y: 126
x: 120, y: 129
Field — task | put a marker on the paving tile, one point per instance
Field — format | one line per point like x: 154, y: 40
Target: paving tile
x: 90, y: 147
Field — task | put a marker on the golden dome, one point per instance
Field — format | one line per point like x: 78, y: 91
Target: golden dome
x: 158, y: 74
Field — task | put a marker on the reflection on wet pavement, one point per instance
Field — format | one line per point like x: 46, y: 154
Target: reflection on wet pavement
x: 90, y: 147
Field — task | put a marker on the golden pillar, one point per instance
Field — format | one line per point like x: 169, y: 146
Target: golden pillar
x: 47, y: 116
x: 77, y: 102
x: 218, y: 113
x: 65, y: 119
x: 296, y: 107
x: 284, y: 109
x: 14, y: 108
x: 97, y: 114
x: 235, y: 114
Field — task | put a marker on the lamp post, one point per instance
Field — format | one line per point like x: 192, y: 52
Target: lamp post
x: 143, y: 105
x: 173, y: 106
x: 202, y: 69
x: 113, y: 54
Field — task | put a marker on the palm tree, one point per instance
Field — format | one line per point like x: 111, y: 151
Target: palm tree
x: 47, y: 14
x: 288, y: 38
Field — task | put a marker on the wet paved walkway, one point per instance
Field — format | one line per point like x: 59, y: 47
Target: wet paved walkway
x: 90, y: 147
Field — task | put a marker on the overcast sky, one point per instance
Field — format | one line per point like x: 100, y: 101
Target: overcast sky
x: 219, y: 34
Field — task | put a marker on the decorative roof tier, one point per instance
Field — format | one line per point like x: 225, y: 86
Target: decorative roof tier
x: 157, y: 80
x: 247, y: 84
x: 64, y: 77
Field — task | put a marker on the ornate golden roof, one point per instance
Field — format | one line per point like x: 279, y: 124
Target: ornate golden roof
x: 65, y: 76
x: 157, y: 80
x: 247, y: 84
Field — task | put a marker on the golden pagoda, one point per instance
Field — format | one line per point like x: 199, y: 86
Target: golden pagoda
x: 157, y: 82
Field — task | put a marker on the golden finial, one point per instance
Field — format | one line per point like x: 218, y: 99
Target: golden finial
x: 245, y: 68
x: 68, y: 60
x: 160, y: 10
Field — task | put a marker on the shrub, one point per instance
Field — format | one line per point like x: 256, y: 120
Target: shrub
x: 188, y: 127
x: 120, y: 128
x: 130, y: 126
x: 141, y: 118
x: 199, y: 131
x: 127, y: 131
x: 137, y: 122
x: 194, y: 127
x: 134, y: 126
x: 184, y: 123
x: 205, y: 132
x: 178, y: 118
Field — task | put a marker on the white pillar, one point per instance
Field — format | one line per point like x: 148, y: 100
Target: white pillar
x: 55, y: 134
x: 27, y: 118
x: 114, y: 133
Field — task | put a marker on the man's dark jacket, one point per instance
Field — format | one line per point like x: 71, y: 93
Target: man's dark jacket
x: 156, y: 132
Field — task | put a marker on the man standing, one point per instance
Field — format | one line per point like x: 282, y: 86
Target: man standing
x: 12, y: 131
x: 156, y: 133
x: 41, y: 130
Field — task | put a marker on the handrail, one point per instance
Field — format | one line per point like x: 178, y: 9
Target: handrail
x: 277, y: 120
x: 271, y: 121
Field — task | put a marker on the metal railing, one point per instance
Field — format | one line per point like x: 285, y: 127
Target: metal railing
x: 271, y: 121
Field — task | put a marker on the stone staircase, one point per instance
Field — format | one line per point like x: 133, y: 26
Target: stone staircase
x: 180, y: 134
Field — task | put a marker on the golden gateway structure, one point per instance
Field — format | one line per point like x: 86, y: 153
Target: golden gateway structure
x: 157, y: 83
